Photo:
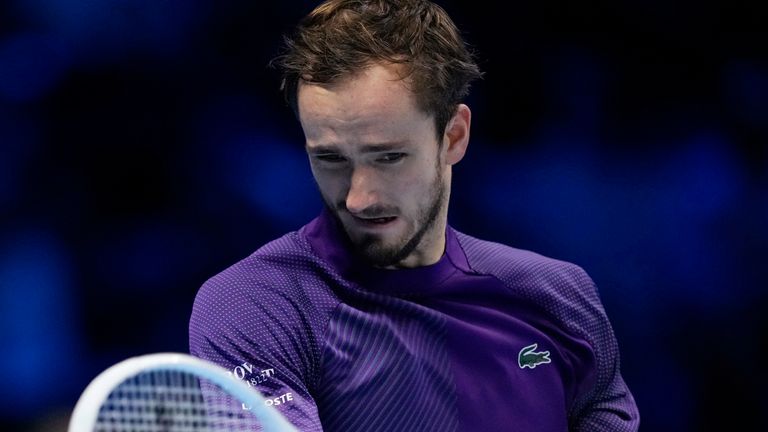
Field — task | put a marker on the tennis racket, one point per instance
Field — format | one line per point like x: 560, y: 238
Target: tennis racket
x: 172, y: 393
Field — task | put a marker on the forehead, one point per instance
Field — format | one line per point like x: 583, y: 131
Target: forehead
x: 374, y: 104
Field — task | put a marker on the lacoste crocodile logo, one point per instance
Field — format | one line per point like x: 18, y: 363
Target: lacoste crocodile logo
x: 529, y: 358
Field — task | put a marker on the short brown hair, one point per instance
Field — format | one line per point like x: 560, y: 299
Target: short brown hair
x: 341, y: 37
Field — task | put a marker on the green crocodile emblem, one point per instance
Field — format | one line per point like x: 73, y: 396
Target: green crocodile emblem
x: 529, y: 358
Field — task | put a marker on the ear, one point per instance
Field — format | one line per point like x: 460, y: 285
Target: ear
x: 456, y: 137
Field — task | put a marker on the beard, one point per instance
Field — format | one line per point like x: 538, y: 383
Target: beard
x: 373, y: 248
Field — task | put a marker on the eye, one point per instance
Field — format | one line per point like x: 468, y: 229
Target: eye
x: 330, y: 157
x: 391, y: 157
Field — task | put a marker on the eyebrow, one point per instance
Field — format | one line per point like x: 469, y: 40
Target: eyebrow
x: 367, y: 148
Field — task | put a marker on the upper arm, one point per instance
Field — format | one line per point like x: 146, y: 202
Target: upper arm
x: 258, y: 334
x: 608, y: 405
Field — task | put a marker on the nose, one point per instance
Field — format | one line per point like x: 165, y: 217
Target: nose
x: 362, y: 193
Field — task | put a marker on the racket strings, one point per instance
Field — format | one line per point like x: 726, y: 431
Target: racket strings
x: 172, y: 401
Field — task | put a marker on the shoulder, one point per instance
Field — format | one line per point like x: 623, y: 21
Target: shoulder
x: 561, y: 288
x: 282, y: 275
x: 521, y: 268
x: 267, y: 310
x: 268, y: 266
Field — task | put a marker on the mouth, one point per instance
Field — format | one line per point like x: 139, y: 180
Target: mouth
x: 375, y: 222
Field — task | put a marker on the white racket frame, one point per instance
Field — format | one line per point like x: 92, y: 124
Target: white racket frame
x: 87, y: 408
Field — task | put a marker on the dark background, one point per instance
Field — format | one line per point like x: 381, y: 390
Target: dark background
x: 144, y: 147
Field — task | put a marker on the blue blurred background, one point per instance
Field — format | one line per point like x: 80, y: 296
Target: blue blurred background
x: 144, y: 147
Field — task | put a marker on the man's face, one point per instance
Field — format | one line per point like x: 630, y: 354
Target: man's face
x: 377, y: 162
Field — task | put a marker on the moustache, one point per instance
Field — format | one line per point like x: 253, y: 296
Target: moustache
x: 372, y: 212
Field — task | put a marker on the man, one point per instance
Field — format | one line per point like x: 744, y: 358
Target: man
x: 377, y: 316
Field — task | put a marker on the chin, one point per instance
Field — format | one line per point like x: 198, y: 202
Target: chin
x: 381, y: 258
x: 384, y: 253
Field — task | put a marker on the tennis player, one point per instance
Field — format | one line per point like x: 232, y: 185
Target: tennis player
x: 377, y: 315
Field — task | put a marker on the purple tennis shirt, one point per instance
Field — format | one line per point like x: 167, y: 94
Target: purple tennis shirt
x: 490, y: 338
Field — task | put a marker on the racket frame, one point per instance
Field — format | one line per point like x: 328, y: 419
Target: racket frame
x: 86, y: 410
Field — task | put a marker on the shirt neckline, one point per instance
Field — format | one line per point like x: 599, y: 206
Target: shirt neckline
x: 328, y: 240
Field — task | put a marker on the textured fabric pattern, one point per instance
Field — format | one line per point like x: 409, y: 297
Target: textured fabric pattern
x: 385, y: 369
x: 570, y: 296
x: 255, y: 317
x: 339, y: 346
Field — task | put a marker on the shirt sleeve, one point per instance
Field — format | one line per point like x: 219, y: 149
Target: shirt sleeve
x: 608, y: 406
x: 258, y: 334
